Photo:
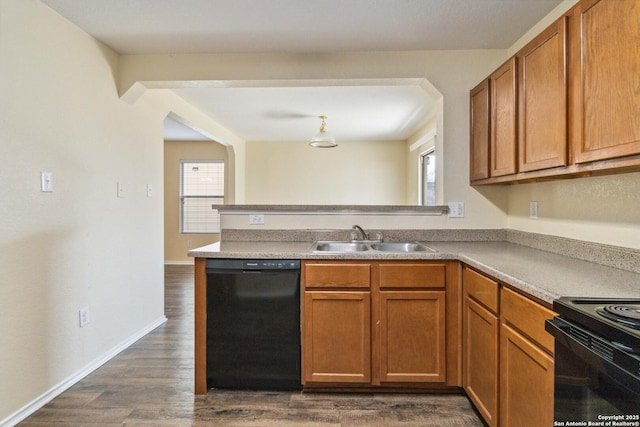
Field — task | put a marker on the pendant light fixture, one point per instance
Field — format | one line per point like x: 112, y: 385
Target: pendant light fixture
x: 323, y: 139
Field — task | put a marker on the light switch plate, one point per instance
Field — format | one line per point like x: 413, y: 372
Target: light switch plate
x: 120, y: 189
x: 46, y: 181
x: 83, y: 315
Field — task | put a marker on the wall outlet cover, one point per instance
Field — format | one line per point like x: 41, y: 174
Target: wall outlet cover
x: 533, y: 210
x: 456, y: 209
x: 256, y: 219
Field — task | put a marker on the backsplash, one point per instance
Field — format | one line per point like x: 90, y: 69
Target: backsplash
x: 611, y: 256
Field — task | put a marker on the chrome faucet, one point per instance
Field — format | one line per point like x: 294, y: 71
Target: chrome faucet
x: 365, y: 236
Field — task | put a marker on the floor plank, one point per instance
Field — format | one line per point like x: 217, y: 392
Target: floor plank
x: 151, y: 384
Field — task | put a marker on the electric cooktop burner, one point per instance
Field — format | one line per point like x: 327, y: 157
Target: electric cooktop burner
x: 628, y: 315
x: 613, y: 319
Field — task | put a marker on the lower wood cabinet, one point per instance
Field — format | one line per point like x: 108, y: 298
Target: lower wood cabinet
x: 526, y: 382
x: 389, y: 331
x: 507, y: 354
x: 480, y: 340
x: 480, y: 360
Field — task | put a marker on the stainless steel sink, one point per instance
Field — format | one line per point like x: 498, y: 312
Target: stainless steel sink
x: 340, y: 247
x: 359, y: 246
x: 400, y: 247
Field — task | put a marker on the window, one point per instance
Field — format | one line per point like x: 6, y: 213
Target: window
x: 201, y: 189
x: 428, y: 178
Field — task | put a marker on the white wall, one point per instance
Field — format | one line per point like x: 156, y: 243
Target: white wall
x: 79, y: 246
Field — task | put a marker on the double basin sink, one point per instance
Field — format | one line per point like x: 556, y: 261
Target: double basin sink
x: 363, y: 246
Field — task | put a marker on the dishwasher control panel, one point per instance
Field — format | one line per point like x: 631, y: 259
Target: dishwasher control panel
x: 253, y: 264
x: 271, y: 265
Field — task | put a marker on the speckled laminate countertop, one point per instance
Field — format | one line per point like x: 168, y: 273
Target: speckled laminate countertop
x: 541, y: 274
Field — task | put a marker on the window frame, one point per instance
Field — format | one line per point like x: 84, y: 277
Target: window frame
x: 422, y: 183
x: 182, y: 197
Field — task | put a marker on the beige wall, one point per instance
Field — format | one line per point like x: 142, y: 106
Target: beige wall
x: 177, y: 244
x: 599, y: 209
x: 451, y: 73
x: 352, y: 173
x: 80, y: 245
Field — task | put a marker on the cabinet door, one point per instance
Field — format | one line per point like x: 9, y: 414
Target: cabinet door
x: 605, y: 63
x: 480, y: 378
x: 542, y: 100
x: 503, y: 119
x: 479, y: 131
x: 337, y: 337
x: 412, y: 336
x: 526, y: 382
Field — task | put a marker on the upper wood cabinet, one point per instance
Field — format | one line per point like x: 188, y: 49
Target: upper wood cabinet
x: 502, y: 83
x: 542, y: 100
x: 567, y: 104
x: 605, y: 68
x: 479, y: 136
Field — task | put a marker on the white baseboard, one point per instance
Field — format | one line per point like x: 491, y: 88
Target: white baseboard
x: 62, y: 386
x: 169, y: 262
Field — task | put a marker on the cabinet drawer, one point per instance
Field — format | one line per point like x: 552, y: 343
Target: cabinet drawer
x: 407, y: 275
x: 527, y: 316
x: 336, y: 275
x: 481, y: 288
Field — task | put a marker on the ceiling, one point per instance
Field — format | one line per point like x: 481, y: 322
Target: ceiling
x: 356, y: 112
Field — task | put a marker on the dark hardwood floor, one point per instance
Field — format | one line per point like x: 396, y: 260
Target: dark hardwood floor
x: 151, y: 384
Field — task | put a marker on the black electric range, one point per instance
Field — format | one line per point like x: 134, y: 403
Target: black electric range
x: 614, y: 319
x: 597, y: 360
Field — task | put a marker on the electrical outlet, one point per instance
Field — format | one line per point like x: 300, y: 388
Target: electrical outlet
x: 189, y: 244
x: 533, y: 210
x: 456, y: 210
x: 83, y: 314
x: 256, y: 219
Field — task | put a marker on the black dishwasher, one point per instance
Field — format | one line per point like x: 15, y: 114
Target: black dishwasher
x: 253, y: 324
